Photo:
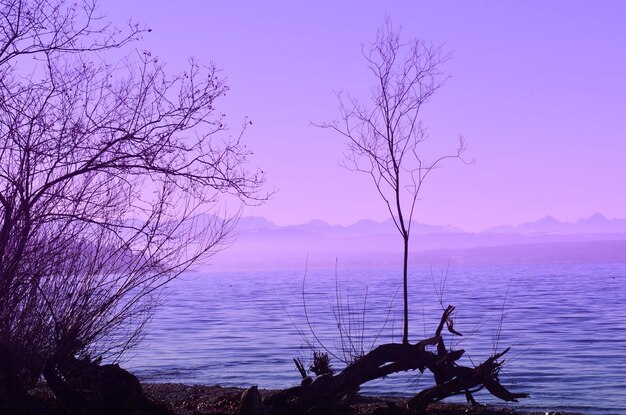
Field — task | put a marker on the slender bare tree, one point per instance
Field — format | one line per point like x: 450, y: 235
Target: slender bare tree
x: 385, y: 136
x: 107, y: 175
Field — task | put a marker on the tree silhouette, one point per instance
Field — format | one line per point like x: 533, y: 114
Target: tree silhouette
x: 105, y: 170
x: 385, y: 135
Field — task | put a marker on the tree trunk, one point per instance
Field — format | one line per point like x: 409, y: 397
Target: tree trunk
x: 405, y: 334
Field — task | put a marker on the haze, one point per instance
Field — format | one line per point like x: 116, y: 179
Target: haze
x: 536, y: 88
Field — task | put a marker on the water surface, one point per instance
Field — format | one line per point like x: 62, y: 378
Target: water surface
x: 565, y: 324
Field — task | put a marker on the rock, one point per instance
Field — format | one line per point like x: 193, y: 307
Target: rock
x: 390, y: 409
x: 114, y: 382
x: 251, y: 402
x: 87, y: 387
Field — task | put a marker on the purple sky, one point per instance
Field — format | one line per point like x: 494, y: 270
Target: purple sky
x: 538, y: 89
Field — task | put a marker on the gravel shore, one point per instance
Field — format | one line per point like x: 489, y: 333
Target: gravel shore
x: 214, y: 400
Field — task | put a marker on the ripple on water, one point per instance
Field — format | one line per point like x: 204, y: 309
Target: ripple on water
x: 566, y: 325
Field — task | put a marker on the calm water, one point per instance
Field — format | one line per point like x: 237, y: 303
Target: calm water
x: 566, y: 325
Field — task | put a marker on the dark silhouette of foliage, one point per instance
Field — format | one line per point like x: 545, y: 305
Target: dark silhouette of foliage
x: 106, y: 170
x: 321, y: 364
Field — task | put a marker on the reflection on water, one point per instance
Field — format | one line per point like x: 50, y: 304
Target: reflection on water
x: 566, y: 325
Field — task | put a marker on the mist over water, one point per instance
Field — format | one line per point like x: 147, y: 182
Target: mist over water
x: 565, y: 324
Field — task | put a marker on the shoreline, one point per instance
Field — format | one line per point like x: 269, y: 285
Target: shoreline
x: 184, y: 399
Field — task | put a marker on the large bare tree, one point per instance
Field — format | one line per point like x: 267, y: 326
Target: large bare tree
x: 386, y: 134
x: 107, y: 173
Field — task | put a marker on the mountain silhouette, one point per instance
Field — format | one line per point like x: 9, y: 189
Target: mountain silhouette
x: 261, y: 244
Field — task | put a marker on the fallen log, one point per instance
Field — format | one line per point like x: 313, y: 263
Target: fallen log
x: 328, y: 391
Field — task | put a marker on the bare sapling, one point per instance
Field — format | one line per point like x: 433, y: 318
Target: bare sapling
x: 386, y: 135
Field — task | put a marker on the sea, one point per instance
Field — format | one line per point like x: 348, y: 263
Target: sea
x: 565, y: 325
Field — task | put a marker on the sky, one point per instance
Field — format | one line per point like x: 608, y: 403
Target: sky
x: 537, y: 89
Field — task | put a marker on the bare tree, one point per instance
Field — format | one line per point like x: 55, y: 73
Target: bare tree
x: 385, y: 142
x: 385, y: 135
x: 328, y: 393
x: 107, y: 173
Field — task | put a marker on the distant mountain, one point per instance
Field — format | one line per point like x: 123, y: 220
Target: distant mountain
x: 500, y: 229
x: 254, y: 223
x: 261, y: 244
x: 361, y: 228
x: 547, y: 224
x: 595, y: 224
x: 317, y: 226
x: 370, y: 227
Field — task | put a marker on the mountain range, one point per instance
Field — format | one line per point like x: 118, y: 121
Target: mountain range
x: 261, y: 244
x: 595, y: 224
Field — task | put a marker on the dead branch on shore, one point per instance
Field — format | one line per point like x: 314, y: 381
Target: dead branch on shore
x: 329, y: 390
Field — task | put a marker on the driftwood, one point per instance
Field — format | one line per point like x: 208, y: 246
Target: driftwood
x: 451, y: 379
